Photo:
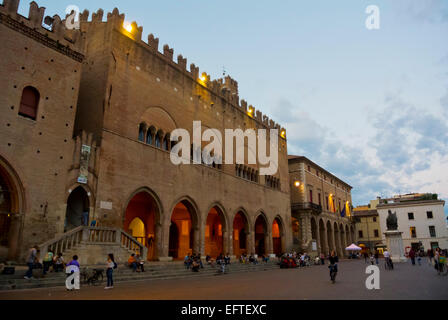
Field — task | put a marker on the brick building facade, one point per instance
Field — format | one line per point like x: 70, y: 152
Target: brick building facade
x: 100, y: 143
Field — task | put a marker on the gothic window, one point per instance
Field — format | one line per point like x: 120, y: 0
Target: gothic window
x: 141, y: 132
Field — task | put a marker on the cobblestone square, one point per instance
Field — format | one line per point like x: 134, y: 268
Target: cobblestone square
x: 406, y: 282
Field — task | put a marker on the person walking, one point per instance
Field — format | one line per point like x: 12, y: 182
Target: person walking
x: 377, y: 256
x: 388, y: 260
x: 412, y: 256
x: 110, y: 265
x: 430, y: 255
x: 30, y: 261
x: 85, y: 218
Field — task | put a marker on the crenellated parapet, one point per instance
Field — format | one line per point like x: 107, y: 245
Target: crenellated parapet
x: 225, y: 89
x: 58, y: 36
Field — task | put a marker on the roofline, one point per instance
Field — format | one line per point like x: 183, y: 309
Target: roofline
x: 295, y: 159
x: 410, y: 203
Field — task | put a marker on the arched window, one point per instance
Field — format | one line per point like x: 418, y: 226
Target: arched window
x: 149, y: 137
x: 165, y: 144
x: 141, y: 132
x: 29, y: 103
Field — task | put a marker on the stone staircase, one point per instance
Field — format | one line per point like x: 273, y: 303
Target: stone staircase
x: 93, y: 244
x: 153, y: 271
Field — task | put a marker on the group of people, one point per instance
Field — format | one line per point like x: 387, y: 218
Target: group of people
x: 253, y: 259
x: 295, y: 260
x: 51, y: 262
x: 438, y: 259
x: 194, y: 262
x: 57, y: 264
x: 135, y: 262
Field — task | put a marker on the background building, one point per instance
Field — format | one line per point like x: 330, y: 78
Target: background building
x: 321, y: 208
x: 368, y: 228
x: 421, y: 218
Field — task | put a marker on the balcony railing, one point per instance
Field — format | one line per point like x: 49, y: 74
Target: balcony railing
x: 307, y: 206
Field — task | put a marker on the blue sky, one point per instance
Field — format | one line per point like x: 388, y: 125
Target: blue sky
x: 371, y: 106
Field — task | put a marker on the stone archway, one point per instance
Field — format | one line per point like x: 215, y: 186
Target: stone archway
x: 78, y: 209
x: 347, y: 236
x: 215, y: 231
x: 261, y: 235
x: 183, y: 231
x: 322, y: 233
x: 240, y: 234
x: 330, y: 237
x: 342, y: 235
x: 337, y: 239
x: 11, y: 211
x: 277, y: 236
x: 142, y: 220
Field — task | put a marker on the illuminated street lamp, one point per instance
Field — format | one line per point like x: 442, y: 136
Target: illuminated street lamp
x: 128, y: 27
x: 297, y: 184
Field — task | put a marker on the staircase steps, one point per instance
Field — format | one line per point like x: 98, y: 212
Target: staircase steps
x: 124, y: 274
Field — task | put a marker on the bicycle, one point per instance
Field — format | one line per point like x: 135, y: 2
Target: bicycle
x: 333, y: 272
x: 95, y: 279
x: 221, y: 267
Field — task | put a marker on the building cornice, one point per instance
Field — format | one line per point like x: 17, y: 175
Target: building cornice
x: 411, y: 204
x: 39, y: 37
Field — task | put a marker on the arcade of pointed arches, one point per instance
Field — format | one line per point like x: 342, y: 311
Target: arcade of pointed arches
x: 187, y: 230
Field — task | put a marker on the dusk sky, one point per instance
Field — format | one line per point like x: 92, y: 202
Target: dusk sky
x: 370, y: 106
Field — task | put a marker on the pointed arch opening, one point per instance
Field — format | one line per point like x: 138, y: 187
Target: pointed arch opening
x: 11, y: 207
x: 78, y: 209
x: 240, y: 234
x: 214, y: 232
x: 277, y: 236
x: 183, y: 236
x: 142, y: 220
x: 261, y: 228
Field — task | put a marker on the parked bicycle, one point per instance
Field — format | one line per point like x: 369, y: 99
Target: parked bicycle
x: 94, y: 279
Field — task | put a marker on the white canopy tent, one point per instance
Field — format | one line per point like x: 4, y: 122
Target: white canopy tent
x: 353, y: 247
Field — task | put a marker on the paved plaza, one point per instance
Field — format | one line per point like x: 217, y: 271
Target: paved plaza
x: 405, y: 282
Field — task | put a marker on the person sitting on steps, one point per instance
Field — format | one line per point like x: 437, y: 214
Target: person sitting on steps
x: 132, y: 262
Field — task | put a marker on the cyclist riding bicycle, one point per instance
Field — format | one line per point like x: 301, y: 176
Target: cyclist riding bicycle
x: 333, y: 266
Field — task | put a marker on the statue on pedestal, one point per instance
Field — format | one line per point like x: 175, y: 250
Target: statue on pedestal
x: 391, y: 222
x: 394, y: 238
